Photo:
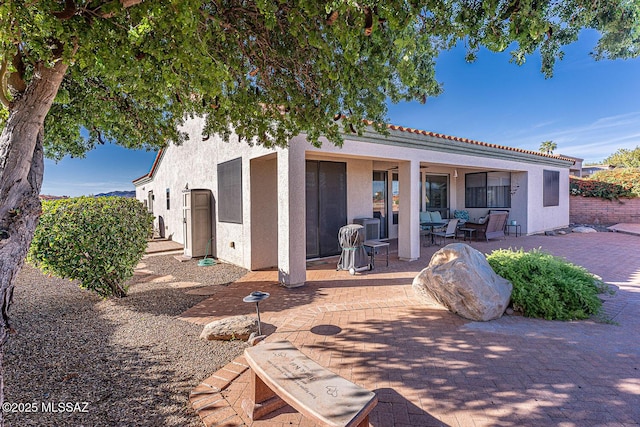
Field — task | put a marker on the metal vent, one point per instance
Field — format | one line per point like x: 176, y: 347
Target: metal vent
x: 371, y: 227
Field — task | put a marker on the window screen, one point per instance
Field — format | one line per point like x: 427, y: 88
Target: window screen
x: 475, y: 191
x: 488, y: 190
x: 551, y: 188
x: 230, y: 191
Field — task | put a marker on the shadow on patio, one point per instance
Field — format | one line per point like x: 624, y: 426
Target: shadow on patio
x: 433, y: 368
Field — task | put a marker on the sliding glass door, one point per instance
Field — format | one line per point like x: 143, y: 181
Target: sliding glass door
x: 326, y: 206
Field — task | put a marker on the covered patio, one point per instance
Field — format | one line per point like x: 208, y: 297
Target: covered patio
x: 391, y: 181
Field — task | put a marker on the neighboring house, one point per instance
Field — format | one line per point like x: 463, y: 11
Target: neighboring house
x: 591, y: 169
x: 279, y: 207
x: 576, y: 169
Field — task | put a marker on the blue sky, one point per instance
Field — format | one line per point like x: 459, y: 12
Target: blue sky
x: 589, y: 108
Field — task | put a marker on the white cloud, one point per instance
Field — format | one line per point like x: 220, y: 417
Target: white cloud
x: 592, y: 141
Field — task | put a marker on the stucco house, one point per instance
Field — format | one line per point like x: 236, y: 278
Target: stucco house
x: 263, y: 207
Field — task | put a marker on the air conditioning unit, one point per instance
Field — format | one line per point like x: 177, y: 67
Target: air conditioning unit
x: 371, y: 227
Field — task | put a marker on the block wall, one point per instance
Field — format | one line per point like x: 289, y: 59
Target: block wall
x: 592, y: 210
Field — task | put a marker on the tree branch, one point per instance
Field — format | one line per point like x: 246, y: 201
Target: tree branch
x: 68, y: 11
x: 125, y: 4
x: 3, y: 85
x: 129, y: 3
x: 15, y: 80
x: 98, y: 135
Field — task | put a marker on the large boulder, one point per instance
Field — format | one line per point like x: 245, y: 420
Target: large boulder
x: 229, y: 328
x: 460, y: 279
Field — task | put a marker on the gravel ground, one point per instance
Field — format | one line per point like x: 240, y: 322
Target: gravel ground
x: 129, y: 359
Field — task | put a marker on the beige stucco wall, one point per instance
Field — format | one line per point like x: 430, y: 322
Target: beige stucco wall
x: 551, y: 217
x: 194, y: 163
x: 273, y: 192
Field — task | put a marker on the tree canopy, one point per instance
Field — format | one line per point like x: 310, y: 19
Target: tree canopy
x: 624, y: 157
x: 268, y: 70
x: 548, y: 147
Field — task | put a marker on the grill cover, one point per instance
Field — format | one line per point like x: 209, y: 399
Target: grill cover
x: 354, y: 257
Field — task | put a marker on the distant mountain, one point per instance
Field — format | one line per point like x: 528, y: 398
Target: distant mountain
x: 131, y: 193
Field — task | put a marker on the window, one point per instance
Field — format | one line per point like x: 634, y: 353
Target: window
x: 488, y: 190
x: 168, y: 199
x: 551, y: 188
x: 230, y: 191
x: 150, y: 199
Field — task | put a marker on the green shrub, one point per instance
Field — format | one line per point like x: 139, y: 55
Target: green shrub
x: 546, y: 286
x: 97, y: 241
x: 628, y: 178
x: 593, y: 188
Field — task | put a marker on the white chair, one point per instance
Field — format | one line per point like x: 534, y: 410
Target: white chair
x: 451, y: 230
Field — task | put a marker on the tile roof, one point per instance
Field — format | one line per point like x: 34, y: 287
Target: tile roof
x: 468, y: 141
x: 413, y: 131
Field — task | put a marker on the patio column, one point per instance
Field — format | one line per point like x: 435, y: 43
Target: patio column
x: 292, y: 249
x: 409, y: 213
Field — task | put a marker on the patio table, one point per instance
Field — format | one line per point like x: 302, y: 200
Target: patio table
x: 373, y: 246
x: 432, y: 225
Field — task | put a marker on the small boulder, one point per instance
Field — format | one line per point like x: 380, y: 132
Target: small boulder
x: 584, y: 230
x: 461, y: 279
x: 230, y: 328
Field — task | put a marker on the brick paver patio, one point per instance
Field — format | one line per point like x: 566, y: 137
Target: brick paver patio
x: 432, y: 368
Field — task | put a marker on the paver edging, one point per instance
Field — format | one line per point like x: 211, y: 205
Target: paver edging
x: 207, y: 400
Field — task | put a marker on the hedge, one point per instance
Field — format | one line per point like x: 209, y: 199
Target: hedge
x: 97, y: 241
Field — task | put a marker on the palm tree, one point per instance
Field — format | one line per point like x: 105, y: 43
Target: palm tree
x: 548, y: 147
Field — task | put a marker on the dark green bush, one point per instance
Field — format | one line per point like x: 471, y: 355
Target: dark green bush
x: 587, y: 187
x: 97, y: 241
x: 546, y: 286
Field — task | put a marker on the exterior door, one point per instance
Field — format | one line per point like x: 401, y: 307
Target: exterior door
x: 381, y: 201
x: 326, y: 206
x: 435, y: 194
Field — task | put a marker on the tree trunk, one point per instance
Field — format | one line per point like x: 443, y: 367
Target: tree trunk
x: 21, y: 172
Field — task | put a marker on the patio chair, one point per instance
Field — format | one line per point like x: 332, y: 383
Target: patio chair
x: 495, y: 225
x: 451, y: 230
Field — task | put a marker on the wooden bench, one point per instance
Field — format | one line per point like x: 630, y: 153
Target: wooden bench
x: 281, y: 374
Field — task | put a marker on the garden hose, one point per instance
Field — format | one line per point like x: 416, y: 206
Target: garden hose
x: 206, y: 262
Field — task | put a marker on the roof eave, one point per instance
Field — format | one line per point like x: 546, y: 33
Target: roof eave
x: 423, y: 140
x: 144, y: 179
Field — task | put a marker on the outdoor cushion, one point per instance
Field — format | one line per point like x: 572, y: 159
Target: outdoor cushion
x: 461, y: 215
x: 436, y: 217
x: 425, y: 217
